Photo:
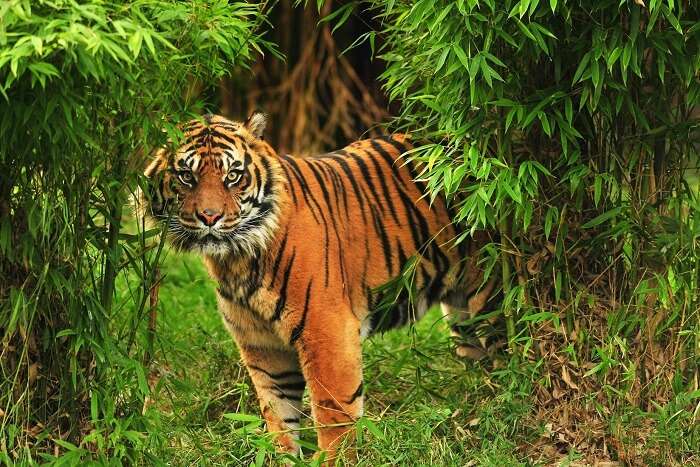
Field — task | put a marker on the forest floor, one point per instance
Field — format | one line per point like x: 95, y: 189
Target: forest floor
x: 424, y: 406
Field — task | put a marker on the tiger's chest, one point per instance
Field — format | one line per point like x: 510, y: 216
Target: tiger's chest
x: 243, y: 283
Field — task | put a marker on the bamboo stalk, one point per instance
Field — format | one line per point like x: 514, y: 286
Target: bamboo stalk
x: 111, y: 259
x: 506, y: 277
x: 152, y: 316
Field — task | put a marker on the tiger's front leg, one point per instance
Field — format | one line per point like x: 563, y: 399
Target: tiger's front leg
x: 330, y: 353
x: 275, y: 372
x: 279, y: 385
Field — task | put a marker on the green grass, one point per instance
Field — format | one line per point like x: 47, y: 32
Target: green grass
x: 424, y: 406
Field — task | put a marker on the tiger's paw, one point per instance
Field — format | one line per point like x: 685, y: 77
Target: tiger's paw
x: 470, y: 352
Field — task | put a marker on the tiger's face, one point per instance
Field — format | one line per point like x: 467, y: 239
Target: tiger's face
x: 217, y: 193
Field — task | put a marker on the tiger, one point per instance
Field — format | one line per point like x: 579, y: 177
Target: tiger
x: 300, y: 248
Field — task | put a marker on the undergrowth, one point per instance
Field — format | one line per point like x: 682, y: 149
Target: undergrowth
x: 424, y: 406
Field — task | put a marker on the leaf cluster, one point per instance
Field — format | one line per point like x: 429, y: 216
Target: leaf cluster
x: 570, y: 127
x: 86, y: 92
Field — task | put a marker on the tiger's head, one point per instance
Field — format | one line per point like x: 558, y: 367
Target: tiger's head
x: 218, y: 193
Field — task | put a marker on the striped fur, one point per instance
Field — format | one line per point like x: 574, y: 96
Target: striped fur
x: 298, y: 251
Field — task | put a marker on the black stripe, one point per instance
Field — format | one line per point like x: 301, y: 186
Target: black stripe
x: 225, y: 292
x: 410, y: 208
x: 195, y: 134
x: 267, y: 189
x: 258, y: 176
x: 294, y: 386
x: 335, y: 178
x: 278, y: 260
x: 385, y: 188
x: 368, y: 178
x: 332, y: 175
x: 291, y: 187
x: 280, y: 375
x: 282, y: 300
x: 399, y: 146
x: 189, y: 126
x: 356, y: 394
x: 264, y: 209
x: 228, y: 139
x: 294, y: 167
x: 319, y: 178
x: 327, y: 198
x: 402, y: 255
x: 291, y: 397
x: 220, y: 145
x: 414, y: 177
x: 291, y: 420
x: 253, y: 282
x: 231, y: 323
x: 386, y: 244
x: 424, y: 273
x: 227, y: 126
x: 390, y: 161
x: 296, y: 332
x: 411, y: 169
x: 348, y: 173
x: 308, y: 196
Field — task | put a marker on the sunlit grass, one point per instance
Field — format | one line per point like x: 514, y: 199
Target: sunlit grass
x: 427, y: 405
x: 424, y: 406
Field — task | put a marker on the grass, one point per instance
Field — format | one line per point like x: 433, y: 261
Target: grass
x: 424, y: 406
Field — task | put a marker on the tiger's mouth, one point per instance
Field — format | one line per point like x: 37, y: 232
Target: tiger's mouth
x: 245, y: 235
x: 208, y: 241
x: 210, y: 237
x: 208, y: 244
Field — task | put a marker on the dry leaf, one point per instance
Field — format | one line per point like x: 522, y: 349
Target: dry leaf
x: 557, y: 393
x: 33, y: 372
x: 534, y: 264
x: 567, y: 378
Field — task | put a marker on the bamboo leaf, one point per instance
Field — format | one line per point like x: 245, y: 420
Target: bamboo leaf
x: 606, y: 216
x: 462, y: 56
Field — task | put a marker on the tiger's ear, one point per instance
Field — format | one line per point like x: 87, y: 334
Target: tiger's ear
x: 256, y: 123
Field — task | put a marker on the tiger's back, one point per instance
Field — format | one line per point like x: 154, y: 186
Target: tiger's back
x: 357, y: 217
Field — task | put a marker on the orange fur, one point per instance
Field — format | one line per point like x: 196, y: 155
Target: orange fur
x: 302, y: 245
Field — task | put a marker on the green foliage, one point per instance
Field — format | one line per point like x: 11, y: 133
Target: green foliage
x: 423, y: 405
x: 571, y: 128
x: 568, y: 124
x: 85, y: 91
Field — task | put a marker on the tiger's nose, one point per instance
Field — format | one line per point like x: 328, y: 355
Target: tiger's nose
x: 209, y: 216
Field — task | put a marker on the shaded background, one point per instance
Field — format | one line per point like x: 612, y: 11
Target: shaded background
x: 318, y: 99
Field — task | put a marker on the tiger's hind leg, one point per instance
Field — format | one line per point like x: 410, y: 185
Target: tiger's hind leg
x: 475, y: 339
x: 466, y: 347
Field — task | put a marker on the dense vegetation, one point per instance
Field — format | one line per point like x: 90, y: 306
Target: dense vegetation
x: 86, y: 90
x: 567, y: 127
x: 571, y: 129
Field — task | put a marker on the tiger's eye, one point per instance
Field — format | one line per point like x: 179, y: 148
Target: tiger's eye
x: 186, y: 177
x: 233, y: 177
